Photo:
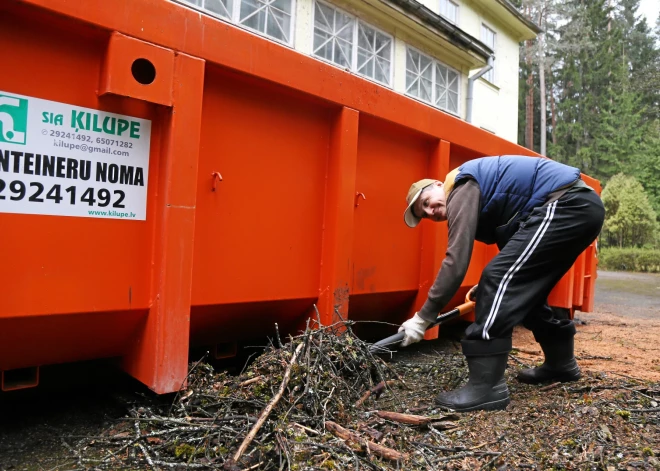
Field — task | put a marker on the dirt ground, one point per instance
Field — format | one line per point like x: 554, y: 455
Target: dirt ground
x: 620, y: 338
x: 622, y: 335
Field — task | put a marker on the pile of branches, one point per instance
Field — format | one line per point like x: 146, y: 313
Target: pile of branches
x: 298, y: 406
x: 323, y: 401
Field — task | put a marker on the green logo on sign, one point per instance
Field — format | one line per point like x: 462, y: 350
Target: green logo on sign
x: 13, y: 119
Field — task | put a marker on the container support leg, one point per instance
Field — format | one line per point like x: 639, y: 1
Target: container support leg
x: 339, y: 211
x: 160, y: 356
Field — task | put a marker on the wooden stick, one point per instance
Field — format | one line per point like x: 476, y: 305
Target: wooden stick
x: 404, y: 418
x: 376, y: 390
x: 267, y: 410
x: 250, y: 381
x: 372, y: 447
x: 443, y: 425
x: 306, y: 429
x: 549, y: 386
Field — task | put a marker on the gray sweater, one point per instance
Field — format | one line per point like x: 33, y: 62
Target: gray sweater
x: 462, y: 218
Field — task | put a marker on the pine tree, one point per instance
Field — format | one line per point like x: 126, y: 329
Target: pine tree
x: 647, y: 166
x: 643, y: 56
x: 603, y: 82
x: 537, y: 59
x: 574, y: 78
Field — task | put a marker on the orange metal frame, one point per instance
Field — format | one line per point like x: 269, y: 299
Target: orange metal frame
x: 276, y: 182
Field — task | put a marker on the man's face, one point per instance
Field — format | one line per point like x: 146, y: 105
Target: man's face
x: 431, y: 203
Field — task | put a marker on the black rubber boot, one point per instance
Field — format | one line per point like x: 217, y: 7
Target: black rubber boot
x: 559, y: 364
x: 486, y: 388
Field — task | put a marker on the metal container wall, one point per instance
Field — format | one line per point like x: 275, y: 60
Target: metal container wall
x: 276, y: 182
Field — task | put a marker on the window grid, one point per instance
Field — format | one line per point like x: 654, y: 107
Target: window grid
x: 356, y: 45
x: 488, y: 37
x: 349, y: 42
x: 449, y: 10
x: 271, y: 18
x: 431, y: 81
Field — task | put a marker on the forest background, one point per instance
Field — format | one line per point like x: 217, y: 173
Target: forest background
x: 590, y: 97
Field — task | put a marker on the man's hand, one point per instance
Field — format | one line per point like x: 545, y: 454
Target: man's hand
x: 414, y: 330
x: 472, y: 294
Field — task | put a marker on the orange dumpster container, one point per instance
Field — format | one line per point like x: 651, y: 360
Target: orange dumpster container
x: 159, y: 191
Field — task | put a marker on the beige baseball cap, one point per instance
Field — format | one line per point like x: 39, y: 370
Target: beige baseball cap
x: 413, y: 193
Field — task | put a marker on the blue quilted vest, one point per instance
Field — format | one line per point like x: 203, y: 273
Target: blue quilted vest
x: 511, y: 186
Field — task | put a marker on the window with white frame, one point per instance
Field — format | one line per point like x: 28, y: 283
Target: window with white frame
x: 432, y: 81
x: 488, y: 37
x: 449, y: 10
x: 273, y: 18
x: 348, y: 42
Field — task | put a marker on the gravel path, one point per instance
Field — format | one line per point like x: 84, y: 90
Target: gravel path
x: 628, y: 294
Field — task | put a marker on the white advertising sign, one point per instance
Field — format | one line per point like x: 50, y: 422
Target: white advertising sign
x: 64, y: 160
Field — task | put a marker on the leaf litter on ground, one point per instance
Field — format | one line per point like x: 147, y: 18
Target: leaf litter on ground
x: 322, y: 401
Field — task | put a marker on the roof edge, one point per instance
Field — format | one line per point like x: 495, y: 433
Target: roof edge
x: 431, y: 18
x: 510, y: 7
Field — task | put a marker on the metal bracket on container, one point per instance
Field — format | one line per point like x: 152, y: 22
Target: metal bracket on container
x: 21, y: 378
x: 216, y: 178
x: 357, y: 198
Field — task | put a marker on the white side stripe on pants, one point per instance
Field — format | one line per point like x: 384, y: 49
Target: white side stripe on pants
x: 516, y: 266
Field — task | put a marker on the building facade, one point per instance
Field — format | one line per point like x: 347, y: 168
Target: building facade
x: 426, y: 50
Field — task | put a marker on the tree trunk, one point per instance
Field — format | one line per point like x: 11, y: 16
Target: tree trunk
x: 542, y: 99
x: 529, y: 99
x: 553, y: 110
x: 543, y: 125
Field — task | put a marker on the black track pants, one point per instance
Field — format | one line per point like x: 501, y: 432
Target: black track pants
x: 516, y: 283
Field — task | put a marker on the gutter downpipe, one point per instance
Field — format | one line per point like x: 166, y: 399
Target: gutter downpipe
x: 470, y: 93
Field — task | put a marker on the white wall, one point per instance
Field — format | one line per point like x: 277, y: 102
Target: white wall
x: 495, y: 105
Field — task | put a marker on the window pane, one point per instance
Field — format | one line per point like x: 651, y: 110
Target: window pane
x: 278, y: 24
x: 426, y: 89
x: 452, y: 12
x: 323, y: 24
x: 452, y: 104
x: 449, y: 10
x: 419, y: 76
x: 446, y: 88
x: 253, y: 14
x: 374, y: 52
x: 271, y: 17
x: 441, y: 76
x: 440, y: 86
x: 366, y: 64
x: 343, y: 52
x: 219, y: 7
x: 452, y: 80
x: 382, y: 73
x: 488, y: 37
x: 441, y: 98
x: 366, y: 37
x: 283, y: 5
x: 333, y: 35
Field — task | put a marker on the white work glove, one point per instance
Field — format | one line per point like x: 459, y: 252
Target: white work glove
x: 414, y: 330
